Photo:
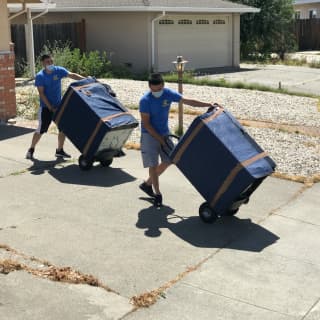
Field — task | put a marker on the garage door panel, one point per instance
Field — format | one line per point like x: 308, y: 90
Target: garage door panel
x: 204, y: 45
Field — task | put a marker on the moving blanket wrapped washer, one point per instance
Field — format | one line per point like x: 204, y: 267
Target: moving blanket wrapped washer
x: 222, y: 162
x: 94, y: 121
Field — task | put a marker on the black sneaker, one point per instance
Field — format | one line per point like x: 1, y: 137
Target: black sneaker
x: 147, y: 189
x: 29, y: 154
x: 157, y: 202
x: 62, y: 154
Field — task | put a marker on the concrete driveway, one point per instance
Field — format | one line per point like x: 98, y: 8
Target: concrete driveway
x: 296, y: 79
x: 261, y: 264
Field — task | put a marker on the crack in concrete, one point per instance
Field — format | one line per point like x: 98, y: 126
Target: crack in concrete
x: 291, y: 199
x: 233, y: 299
x: 47, y: 270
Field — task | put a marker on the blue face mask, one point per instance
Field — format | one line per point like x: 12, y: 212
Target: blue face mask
x: 157, y: 94
x: 50, y: 67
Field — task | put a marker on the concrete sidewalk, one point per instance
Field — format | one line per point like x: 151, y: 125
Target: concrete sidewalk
x: 296, y: 79
x: 261, y: 264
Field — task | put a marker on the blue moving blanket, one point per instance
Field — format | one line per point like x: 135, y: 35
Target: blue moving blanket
x: 93, y: 119
x: 220, y: 159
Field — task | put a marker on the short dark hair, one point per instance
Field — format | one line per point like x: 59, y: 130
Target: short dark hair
x: 45, y: 56
x: 155, y: 79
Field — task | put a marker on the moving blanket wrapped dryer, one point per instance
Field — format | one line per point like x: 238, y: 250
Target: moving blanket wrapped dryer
x: 222, y: 162
x: 94, y: 121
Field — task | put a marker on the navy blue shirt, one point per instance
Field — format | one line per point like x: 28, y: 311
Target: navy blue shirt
x: 158, y: 109
x: 52, y: 84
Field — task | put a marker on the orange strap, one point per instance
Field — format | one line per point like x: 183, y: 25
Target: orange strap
x: 114, y: 116
x: 95, y: 131
x: 233, y: 173
x: 193, y: 134
x: 63, y: 107
x: 91, y: 138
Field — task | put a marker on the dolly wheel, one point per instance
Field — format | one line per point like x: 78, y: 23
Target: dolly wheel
x: 84, y: 163
x: 106, y: 162
x: 206, y: 214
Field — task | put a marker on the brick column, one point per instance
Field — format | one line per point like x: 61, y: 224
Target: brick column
x: 7, y: 85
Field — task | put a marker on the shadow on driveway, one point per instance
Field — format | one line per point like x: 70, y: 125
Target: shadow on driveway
x: 98, y: 176
x: 8, y: 132
x: 222, y: 70
x: 227, y: 232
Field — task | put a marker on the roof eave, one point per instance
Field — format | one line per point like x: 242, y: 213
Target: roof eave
x: 155, y: 9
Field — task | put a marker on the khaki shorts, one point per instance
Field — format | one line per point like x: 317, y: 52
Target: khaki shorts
x: 151, y: 151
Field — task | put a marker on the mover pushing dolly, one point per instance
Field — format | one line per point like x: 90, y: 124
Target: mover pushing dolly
x: 94, y: 121
x: 222, y: 162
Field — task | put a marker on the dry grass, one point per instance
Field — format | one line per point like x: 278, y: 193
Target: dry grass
x: 8, y: 265
x: 305, y: 130
x: 147, y: 299
x: 132, y: 146
x: 47, y: 271
x: 308, y: 181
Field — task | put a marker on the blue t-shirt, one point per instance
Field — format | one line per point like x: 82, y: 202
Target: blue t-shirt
x: 158, y: 109
x: 52, y: 84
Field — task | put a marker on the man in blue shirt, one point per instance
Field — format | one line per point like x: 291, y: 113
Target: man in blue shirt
x: 48, y: 83
x: 154, y: 110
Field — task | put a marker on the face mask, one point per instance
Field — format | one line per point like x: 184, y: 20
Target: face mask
x: 157, y: 94
x: 50, y: 67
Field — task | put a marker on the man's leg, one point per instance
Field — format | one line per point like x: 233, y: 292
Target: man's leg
x: 43, y: 123
x: 159, y: 170
x: 154, y: 177
x: 60, y: 153
x: 61, y: 139
x: 35, y: 139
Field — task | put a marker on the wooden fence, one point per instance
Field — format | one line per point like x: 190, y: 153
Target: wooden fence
x: 308, y: 34
x: 74, y: 33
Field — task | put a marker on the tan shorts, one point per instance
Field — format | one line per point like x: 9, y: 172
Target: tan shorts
x: 151, y: 151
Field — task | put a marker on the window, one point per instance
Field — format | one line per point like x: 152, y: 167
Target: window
x: 185, y: 21
x: 202, y: 21
x: 297, y: 15
x: 166, y: 21
x: 219, y: 21
x: 312, y: 14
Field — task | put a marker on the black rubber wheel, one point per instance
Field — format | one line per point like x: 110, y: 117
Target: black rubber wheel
x: 106, y: 162
x: 232, y: 212
x: 84, y: 163
x: 206, y: 214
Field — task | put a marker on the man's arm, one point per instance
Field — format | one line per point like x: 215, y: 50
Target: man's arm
x: 145, y: 119
x: 44, y: 98
x: 196, y: 103
x: 75, y: 76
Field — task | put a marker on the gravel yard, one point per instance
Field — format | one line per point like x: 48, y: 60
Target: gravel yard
x: 295, y: 154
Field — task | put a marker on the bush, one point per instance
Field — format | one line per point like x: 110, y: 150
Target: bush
x: 93, y: 63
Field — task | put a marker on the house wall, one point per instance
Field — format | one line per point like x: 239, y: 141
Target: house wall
x: 305, y: 8
x: 4, y: 27
x: 127, y: 37
x: 7, y: 77
x: 124, y: 36
x: 236, y: 40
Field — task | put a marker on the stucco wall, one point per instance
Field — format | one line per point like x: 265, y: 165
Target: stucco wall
x: 127, y: 37
x: 124, y: 36
x: 304, y: 10
x: 236, y: 40
x: 4, y: 27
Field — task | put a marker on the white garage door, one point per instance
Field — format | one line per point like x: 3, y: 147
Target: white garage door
x: 205, y: 42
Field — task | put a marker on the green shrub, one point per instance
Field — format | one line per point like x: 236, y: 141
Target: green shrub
x: 93, y: 63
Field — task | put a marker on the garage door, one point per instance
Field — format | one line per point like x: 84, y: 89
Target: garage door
x: 205, y: 42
